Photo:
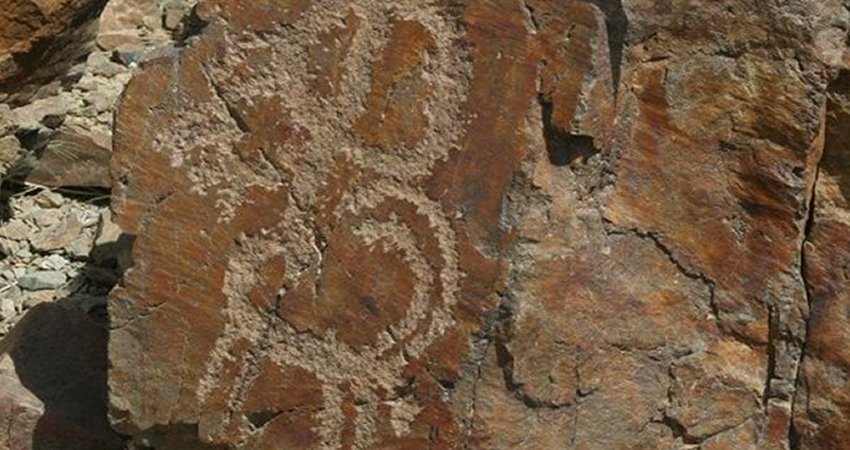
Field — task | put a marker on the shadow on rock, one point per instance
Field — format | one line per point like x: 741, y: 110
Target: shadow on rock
x: 53, y: 368
x: 59, y: 356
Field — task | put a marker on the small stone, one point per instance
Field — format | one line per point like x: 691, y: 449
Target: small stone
x: 75, y: 156
x: 128, y: 55
x: 34, y: 298
x: 151, y: 23
x: 87, y: 84
x: 81, y: 247
x: 88, y: 218
x: 8, y: 247
x: 102, y: 101
x: 10, y: 147
x: 7, y: 308
x: 15, y: 229
x: 58, y: 236
x: 42, y: 280
x: 172, y: 18
x: 19, y: 272
x: 50, y: 199
x: 111, y: 41
x: 14, y: 292
x: 31, y: 116
x: 24, y: 254
x: 108, y: 232
x: 46, y: 218
x: 100, y: 64
x: 54, y: 262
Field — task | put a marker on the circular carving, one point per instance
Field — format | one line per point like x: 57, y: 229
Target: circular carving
x: 361, y: 273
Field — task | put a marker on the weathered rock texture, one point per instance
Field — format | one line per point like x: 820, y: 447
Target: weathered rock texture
x: 40, y: 40
x: 823, y: 406
x: 487, y: 224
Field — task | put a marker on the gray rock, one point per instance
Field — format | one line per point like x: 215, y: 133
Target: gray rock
x: 81, y: 247
x: 7, y: 308
x: 15, y: 229
x: 100, y: 64
x: 24, y: 254
x: 54, y: 262
x: 30, y: 117
x: 42, y: 280
x: 173, y: 16
x: 129, y: 55
x: 10, y: 148
x: 58, y: 236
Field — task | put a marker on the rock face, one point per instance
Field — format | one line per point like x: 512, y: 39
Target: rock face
x: 501, y: 224
x: 40, y: 40
x: 822, y: 407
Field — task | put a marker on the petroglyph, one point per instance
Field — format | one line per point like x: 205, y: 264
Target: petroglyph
x: 321, y: 351
x: 361, y: 174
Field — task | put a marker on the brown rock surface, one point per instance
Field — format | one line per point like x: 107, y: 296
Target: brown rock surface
x: 822, y: 419
x: 73, y: 157
x: 40, y: 40
x: 486, y: 224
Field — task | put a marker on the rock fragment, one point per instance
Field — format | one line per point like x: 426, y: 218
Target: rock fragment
x: 58, y: 235
x: 42, y: 280
x: 73, y: 157
x: 40, y: 41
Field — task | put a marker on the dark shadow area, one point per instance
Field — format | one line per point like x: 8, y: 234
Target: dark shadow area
x: 617, y: 23
x: 563, y: 147
x: 59, y: 350
x: 60, y: 356
x: 193, y: 26
x: 836, y: 152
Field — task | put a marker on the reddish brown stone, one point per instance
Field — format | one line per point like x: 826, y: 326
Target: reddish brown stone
x: 821, y: 411
x: 394, y: 117
x: 260, y: 16
x: 327, y: 57
x: 478, y: 224
x: 41, y: 40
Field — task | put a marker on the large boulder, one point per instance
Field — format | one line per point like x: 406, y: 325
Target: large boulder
x: 40, y: 40
x: 470, y: 224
